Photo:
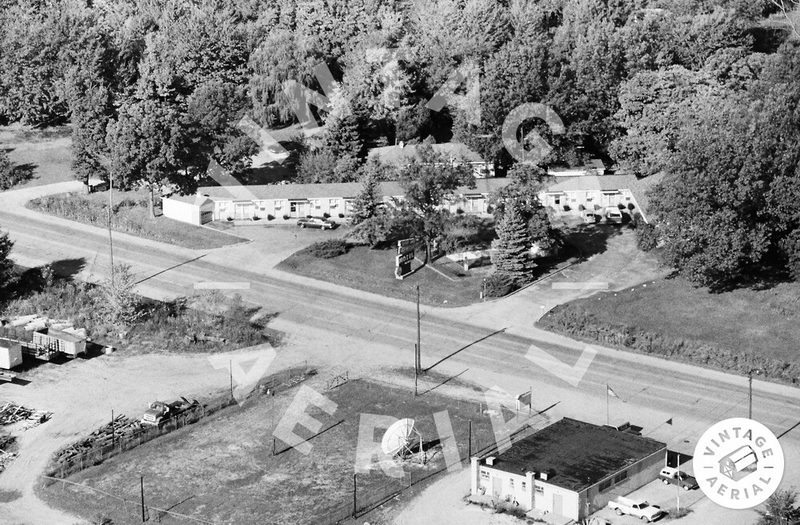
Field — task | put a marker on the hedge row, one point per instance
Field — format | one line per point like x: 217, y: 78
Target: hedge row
x: 574, y: 321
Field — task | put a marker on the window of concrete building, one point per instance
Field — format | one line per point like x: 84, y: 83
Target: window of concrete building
x: 511, y: 482
x: 621, y: 476
x: 484, y: 474
x: 604, y: 486
x: 539, y: 489
x: 524, y: 485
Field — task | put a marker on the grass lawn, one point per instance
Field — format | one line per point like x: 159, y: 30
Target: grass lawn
x: 223, y: 470
x: 764, y: 322
x: 131, y: 215
x: 373, y: 271
x: 45, y: 155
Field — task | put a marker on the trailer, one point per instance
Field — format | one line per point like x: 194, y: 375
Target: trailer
x: 10, y: 353
x: 70, y: 344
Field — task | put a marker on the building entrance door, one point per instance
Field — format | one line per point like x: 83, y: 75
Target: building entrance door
x: 558, y: 504
x: 497, y: 487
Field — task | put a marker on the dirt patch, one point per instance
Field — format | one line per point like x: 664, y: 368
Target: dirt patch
x: 223, y: 469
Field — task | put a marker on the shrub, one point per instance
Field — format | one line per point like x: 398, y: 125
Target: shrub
x: 499, y: 285
x: 270, y: 217
x: 581, y: 207
x: 631, y: 207
x: 285, y: 217
x: 328, y: 249
x: 566, y: 207
x: 646, y: 235
x: 341, y: 215
x: 326, y: 215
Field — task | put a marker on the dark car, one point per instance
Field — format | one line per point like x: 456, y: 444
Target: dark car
x: 316, y: 222
x: 677, y: 477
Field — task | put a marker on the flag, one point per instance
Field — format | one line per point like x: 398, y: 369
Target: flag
x: 610, y: 392
x: 669, y: 421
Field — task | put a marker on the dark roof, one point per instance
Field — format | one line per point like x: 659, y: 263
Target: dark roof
x: 575, y: 454
x: 402, y: 155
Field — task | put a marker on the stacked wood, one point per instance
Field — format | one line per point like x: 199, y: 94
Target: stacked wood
x: 11, y: 413
x: 6, y: 442
x: 120, y: 429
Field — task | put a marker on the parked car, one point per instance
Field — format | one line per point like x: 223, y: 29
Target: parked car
x: 677, y: 477
x: 640, y: 509
x: 589, y: 217
x: 316, y: 222
x: 613, y: 215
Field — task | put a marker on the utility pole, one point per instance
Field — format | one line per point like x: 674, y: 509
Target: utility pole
x: 416, y: 369
x: 110, y: 240
x: 469, y: 442
x: 419, y: 346
x: 113, y: 432
x: 750, y: 391
x: 230, y: 373
x: 141, y: 484
x: 355, y: 501
x: 678, y: 486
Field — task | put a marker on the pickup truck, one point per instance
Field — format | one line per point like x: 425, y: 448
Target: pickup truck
x: 639, y: 509
x: 158, y: 412
x: 677, y: 477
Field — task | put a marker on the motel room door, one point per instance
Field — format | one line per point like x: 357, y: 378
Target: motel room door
x: 558, y: 504
x: 243, y: 210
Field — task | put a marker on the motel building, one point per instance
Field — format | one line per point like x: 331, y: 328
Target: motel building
x: 567, y: 471
x: 288, y: 202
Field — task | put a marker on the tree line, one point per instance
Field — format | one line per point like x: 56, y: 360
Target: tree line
x: 703, y: 90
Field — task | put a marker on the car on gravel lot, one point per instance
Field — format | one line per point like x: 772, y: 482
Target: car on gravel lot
x: 316, y: 222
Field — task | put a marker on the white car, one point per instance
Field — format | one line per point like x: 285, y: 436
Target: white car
x: 638, y: 508
x: 613, y: 215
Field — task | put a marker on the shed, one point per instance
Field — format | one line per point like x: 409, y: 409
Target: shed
x: 60, y: 341
x: 10, y: 353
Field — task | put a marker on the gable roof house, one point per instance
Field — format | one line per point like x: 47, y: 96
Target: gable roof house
x: 401, y: 155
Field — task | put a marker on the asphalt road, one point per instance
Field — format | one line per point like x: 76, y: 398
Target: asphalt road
x: 651, y: 390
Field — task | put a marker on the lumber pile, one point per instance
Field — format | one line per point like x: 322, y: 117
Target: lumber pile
x: 12, y: 413
x: 119, y: 430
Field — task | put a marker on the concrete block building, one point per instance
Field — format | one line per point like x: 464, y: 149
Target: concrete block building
x: 569, y: 469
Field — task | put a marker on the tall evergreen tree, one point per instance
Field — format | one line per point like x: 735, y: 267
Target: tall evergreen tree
x: 513, y: 246
x: 367, y: 200
x: 6, y: 264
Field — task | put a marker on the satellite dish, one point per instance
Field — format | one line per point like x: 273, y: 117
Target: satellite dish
x: 397, y: 436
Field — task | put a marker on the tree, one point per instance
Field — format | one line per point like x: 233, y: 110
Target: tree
x: 120, y: 304
x: 367, y: 200
x: 651, y: 105
x: 6, y: 264
x: 780, y: 509
x: 513, y: 246
x: 317, y: 166
x: 149, y: 143
x: 527, y: 182
x: 428, y: 181
x: 6, y: 171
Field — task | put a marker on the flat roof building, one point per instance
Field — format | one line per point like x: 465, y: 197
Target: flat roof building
x: 569, y: 469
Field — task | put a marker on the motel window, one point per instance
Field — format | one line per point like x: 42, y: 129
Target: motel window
x: 621, y: 476
x: 484, y: 474
x: 511, y: 483
x: 278, y: 205
x: 539, y: 489
x: 332, y: 203
x: 558, y: 200
x: 316, y: 203
x: 524, y: 485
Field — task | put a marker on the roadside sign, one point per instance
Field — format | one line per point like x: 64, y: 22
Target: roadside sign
x: 405, y: 254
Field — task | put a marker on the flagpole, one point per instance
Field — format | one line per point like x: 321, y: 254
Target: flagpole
x: 606, y: 403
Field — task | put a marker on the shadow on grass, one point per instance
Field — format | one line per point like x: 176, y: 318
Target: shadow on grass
x: 447, y: 380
